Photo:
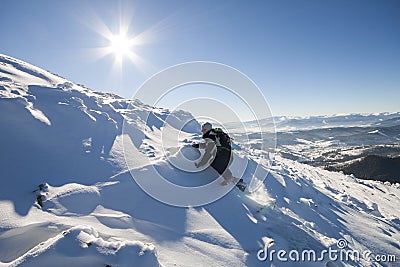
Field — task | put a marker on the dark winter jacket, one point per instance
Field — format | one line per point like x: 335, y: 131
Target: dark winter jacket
x: 221, y: 155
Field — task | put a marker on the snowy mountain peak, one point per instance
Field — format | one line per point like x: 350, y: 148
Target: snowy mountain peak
x: 68, y: 197
x: 24, y: 73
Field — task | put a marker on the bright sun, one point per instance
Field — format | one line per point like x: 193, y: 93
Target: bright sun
x: 120, y: 46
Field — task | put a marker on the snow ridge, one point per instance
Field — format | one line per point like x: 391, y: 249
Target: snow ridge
x: 68, y: 197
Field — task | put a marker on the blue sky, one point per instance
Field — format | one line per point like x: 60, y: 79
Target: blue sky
x: 307, y: 57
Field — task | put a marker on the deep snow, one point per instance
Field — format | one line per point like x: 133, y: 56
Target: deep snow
x: 70, y: 139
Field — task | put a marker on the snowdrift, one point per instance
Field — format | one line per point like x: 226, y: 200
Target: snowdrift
x: 68, y: 198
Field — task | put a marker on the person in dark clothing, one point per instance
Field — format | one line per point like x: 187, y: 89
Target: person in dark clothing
x: 217, y: 147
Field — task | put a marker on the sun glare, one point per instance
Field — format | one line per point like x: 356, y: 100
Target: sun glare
x: 120, y: 45
x: 120, y: 42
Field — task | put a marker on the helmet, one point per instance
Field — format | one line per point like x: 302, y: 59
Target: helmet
x: 206, y: 126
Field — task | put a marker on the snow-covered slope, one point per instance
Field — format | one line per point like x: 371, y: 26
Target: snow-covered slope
x: 65, y: 143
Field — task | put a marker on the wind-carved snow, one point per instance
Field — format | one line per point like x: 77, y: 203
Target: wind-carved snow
x: 92, y: 213
x: 89, y: 247
x: 37, y: 114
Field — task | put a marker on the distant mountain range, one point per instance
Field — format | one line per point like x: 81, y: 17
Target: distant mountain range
x: 286, y: 123
x: 338, y: 142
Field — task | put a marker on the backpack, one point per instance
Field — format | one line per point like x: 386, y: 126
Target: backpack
x: 222, y: 138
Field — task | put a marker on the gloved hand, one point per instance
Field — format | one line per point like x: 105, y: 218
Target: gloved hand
x: 195, y: 145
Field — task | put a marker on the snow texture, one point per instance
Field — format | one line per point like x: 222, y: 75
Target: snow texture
x: 68, y: 199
